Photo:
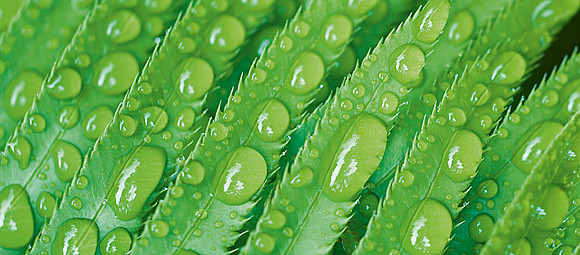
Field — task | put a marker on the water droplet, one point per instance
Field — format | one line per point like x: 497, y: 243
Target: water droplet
x: 243, y: 173
x: 64, y: 84
x: 82, y: 182
x: 258, y: 75
x: 456, y: 117
x: 157, y: 6
x: 552, y: 209
x: 96, y: 121
x: 68, y: 117
x: 76, y: 236
x: 257, y: 5
x: 406, y: 62
x: 430, y: 228
x: 37, y: 123
x: 116, y: 242
x: 538, y: 140
x: 217, y: 131
x: 305, y: 74
x: 226, y: 34
x: 159, y: 228
x: 45, y: 205
x: 194, y: 79
x: 461, y: 27
x: 264, y: 243
x: 406, y: 178
x: 358, y: 91
x: 285, y: 43
x: 273, y: 219
x: 138, y: 179
x: 154, y: 118
x: 272, y: 120
x: 550, y: 98
x: 301, y: 28
x: 301, y: 178
x: 115, y: 73
x: 123, y: 26
x: 355, y: 145
x: 127, y: 125
x: 20, y: 94
x: 480, y: 228
x: 389, y: 103
x: 76, y: 203
x: 20, y: 148
x: 17, y: 227
x: 488, y: 189
x: 337, y: 30
x: 368, y: 204
x: 67, y: 160
x: 462, y: 156
x: 509, y: 67
x: 357, y: 8
x: 431, y: 21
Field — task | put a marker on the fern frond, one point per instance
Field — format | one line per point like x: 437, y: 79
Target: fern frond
x: 77, y: 102
x: 242, y: 145
x: 28, y: 49
x: 519, y: 142
x: 536, y: 193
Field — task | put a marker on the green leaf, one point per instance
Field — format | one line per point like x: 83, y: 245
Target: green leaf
x: 224, y: 175
x: 529, y: 208
x: 506, y: 164
x: 313, y: 201
x: 155, y: 126
x: 78, y: 100
x: 34, y: 41
x: 518, y: 28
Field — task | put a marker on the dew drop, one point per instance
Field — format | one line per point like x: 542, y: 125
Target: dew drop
x: 389, y: 103
x: 76, y: 236
x: 157, y: 6
x: 226, y: 34
x: 431, y: 21
x: 406, y: 178
x: 45, y: 204
x: 96, y: 121
x: 337, y: 30
x: 509, y: 67
x: 20, y: 148
x: 461, y: 27
x: 430, y: 228
x: 243, y: 173
x: 116, y: 242
x: 301, y: 178
x: 272, y: 120
x: 17, y: 228
x: 264, y: 243
x: 194, y: 79
x: 552, y: 210
x: 64, y: 84
x: 301, y: 28
x: 538, y: 139
x: 154, y: 118
x: 37, y: 123
x: 357, y: 8
x: 123, y: 26
x: 67, y: 160
x: 305, y: 74
x: 480, y: 227
x: 76, y: 203
x: 406, y: 62
x: 127, y: 125
x: 115, y: 72
x: 273, y: 219
x: 20, y: 94
x: 462, y: 156
x: 368, y: 204
x: 159, y: 228
x: 456, y: 117
x: 488, y: 189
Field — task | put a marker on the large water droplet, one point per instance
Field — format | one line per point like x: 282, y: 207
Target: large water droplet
x: 462, y: 156
x: 406, y: 62
x: 96, y: 121
x: 227, y: 34
x: 192, y: 173
x: 272, y: 120
x: 273, y: 219
x: 115, y: 73
x: 20, y: 93
x: 20, y: 148
x: 134, y: 181
x: 64, y: 84
x: 195, y: 77
x: 116, y: 242
x: 538, y: 139
x: 509, y: 67
x: 123, y: 26
x: 241, y: 175
x: 337, y: 30
x: 552, y: 209
x: 431, y: 21
x: 351, y: 156
x: 429, y: 229
x: 305, y: 74
x: 67, y: 160
x: 45, y: 204
x: 154, y: 118
x: 480, y: 228
x: 16, y: 219
x: 76, y: 236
